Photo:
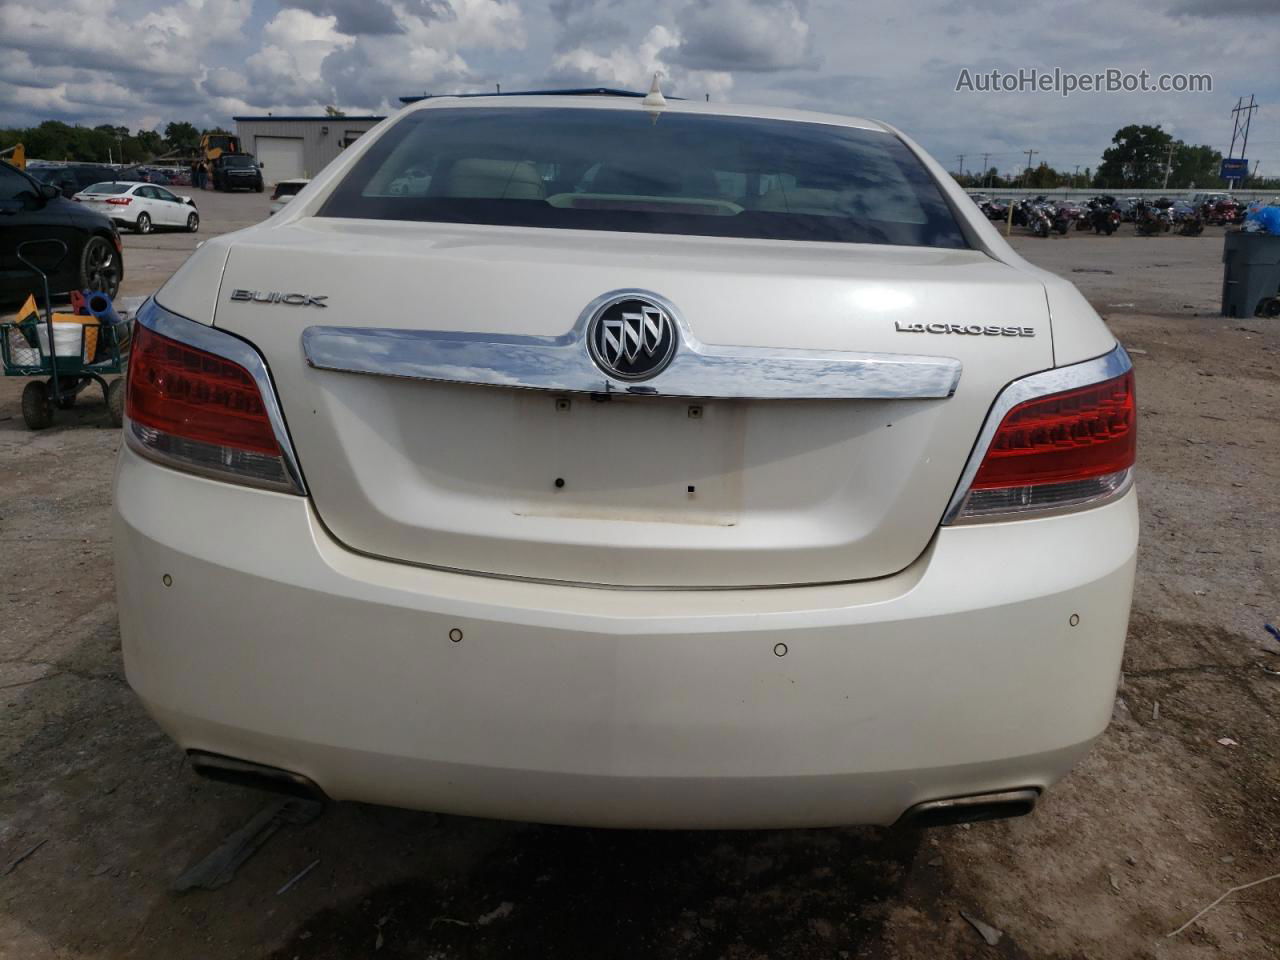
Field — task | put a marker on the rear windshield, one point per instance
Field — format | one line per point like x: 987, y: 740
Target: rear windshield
x: 108, y: 188
x: 592, y: 169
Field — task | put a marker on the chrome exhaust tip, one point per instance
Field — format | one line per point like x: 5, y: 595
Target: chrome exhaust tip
x: 214, y: 766
x: 973, y: 809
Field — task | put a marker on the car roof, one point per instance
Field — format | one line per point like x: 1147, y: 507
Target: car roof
x: 632, y: 103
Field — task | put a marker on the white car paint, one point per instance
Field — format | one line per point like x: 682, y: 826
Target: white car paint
x: 797, y: 642
x: 283, y: 192
x: 124, y: 201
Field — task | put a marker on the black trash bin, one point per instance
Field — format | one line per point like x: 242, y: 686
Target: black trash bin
x: 1251, y: 275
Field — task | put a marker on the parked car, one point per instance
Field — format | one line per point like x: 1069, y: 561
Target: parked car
x: 145, y: 174
x: 283, y: 192
x: 31, y: 210
x: 661, y: 466
x: 237, y: 171
x: 1127, y: 207
x: 142, y: 207
x: 71, y: 178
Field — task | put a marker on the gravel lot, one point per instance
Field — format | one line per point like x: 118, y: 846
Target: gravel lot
x: 1157, y: 822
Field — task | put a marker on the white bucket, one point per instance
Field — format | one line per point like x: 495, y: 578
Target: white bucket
x: 68, y: 339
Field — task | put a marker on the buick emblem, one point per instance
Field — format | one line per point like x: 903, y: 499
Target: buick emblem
x: 631, y: 338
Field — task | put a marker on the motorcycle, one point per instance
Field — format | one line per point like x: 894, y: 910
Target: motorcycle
x: 1103, y: 216
x: 1149, y: 219
x: 1187, y: 218
x: 1221, y: 213
x: 996, y: 209
x: 1036, y: 215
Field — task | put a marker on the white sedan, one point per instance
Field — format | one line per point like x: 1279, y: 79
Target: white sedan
x: 141, y: 207
x: 284, y: 191
x: 653, y: 465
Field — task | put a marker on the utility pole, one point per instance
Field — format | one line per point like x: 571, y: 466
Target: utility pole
x: 1241, y: 120
x: 985, y: 168
x: 1075, y: 176
x: 1242, y: 117
x: 1168, y: 167
x: 960, y: 165
x: 1027, y: 176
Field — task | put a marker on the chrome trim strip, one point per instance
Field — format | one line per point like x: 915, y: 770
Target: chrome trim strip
x: 563, y: 363
x: 1101, y: 368
x: 227, y: 345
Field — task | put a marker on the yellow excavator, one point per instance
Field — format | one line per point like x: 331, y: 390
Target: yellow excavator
x: 15, y: 155
x: 212, y: 146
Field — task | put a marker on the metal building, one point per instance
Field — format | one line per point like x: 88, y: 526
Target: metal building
x: 289, y: 147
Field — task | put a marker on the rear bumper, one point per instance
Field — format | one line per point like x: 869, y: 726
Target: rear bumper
x: 961, y: 675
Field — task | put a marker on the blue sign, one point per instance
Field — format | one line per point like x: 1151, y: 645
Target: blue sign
x: 1234, y: 168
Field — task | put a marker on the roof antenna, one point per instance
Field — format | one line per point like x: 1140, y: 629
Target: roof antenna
x: 654, y: 98
x: 654, y: 102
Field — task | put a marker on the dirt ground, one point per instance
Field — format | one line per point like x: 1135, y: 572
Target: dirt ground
x: 99, y: 812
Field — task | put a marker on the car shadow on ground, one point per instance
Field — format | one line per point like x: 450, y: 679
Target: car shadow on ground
x: 563, y: 892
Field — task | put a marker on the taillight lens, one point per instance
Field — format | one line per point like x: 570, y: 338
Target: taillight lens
x: 194, y: 410
x: 120, y: 201
x: 1065, y: 450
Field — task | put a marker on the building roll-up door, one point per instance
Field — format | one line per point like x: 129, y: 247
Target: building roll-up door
x: 280, y: 158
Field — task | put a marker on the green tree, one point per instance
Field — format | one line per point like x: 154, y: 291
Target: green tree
x: 181, y: 135
x: 1194, y: 166
x: 332, y: 111
x: 1043, y: 177
x: 1137, y: 158
x: 150, y: 143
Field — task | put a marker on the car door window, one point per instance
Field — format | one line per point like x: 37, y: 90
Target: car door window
x: 15, y: 188
x: 163, y: 194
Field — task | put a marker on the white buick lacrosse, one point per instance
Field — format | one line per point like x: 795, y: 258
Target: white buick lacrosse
x: 593, y: 460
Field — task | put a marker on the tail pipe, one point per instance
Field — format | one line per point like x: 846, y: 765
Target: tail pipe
x: 246, y: 774
x: 972, y: 809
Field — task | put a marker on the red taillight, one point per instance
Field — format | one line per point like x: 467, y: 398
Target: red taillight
x: 184, y: 392
x: 1061, y: 451
x: 195, y: 410
x: 1081, y: 433
x: 120, y: 201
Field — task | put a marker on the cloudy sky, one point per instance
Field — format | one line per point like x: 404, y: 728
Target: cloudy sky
x: 144, y: 62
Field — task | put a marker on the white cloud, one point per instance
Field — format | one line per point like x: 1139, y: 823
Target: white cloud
x: 142, y: 62
x: 750, y: 35
x: 634, y: 65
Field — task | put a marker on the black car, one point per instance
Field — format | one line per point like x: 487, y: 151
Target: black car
x: 235, y: 171
x: 71, y: 178
x: 31, y: 210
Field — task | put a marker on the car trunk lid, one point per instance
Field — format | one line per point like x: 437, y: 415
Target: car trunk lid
x: 620, y: 489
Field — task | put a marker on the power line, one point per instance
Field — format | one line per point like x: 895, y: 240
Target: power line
x: 1241, y: 120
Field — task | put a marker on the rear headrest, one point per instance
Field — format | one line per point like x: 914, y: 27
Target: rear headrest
x: 802, y: 200
x: 494, y: 180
